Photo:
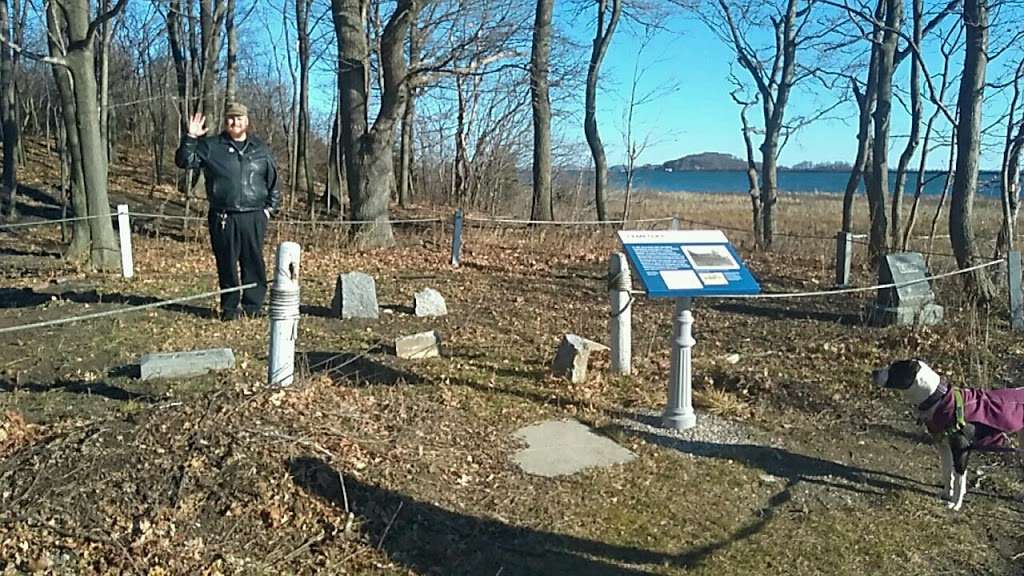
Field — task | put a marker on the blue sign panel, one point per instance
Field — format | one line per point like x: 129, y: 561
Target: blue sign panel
x: 686, y: 263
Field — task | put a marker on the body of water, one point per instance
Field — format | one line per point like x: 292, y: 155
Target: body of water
x: 811, y: 181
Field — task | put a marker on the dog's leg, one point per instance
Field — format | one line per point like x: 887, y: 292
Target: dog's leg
x: 960, y: 484
x: 946, y: 481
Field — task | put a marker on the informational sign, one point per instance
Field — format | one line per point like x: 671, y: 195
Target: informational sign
x: 687, y: 263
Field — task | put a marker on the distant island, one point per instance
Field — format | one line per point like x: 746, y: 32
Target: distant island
x: 719, y: 161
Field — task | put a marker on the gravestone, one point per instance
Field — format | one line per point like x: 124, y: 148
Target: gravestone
x: 573, y: 356
x: 911, y: 301
x: 417, y: 346
x: 355, y: 296
x: 429, y: 302
x: 185, y: 364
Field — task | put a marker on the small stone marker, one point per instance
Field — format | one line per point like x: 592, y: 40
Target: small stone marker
x: 907, y: 304
x: 355, y: 296
x: 429, y: 302
x: 417, y: 346
x: 185, y: 364
x: 561, y: 447
x: 572, y: 357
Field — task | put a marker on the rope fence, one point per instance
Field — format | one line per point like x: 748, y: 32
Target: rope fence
x: 106, y: 313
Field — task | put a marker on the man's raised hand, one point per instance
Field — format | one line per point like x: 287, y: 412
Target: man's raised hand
x: 197, y: 125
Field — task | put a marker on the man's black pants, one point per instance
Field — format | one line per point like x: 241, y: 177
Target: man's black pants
x: 237, y: 239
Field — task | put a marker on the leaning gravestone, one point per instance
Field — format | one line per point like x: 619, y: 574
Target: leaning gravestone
x: 185, y: 364
x: 573, y: 356
x: 911, y: 301
x: 429, y: 302
x: 355, y: 296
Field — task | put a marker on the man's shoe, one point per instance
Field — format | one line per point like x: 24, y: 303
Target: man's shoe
x: 229, y: 315
x: 257, y: 313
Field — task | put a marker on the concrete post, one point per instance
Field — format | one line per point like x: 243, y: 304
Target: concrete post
x: 457, y: 238
x: 284, y: 315
x: 620, y: 322
x: 678, y: 412
x: 124, y: 231
x: 844, y: 255
x: 675, y: 223
x: 1013, y: 275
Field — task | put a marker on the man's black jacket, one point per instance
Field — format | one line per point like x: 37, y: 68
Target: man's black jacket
x: 240, y: 176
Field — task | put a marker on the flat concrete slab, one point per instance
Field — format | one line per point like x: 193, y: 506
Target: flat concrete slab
x: 561, y: 447
x: 185, y: 364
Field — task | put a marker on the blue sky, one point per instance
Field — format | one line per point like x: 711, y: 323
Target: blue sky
x: 698, y: 114
x: 686, y: 67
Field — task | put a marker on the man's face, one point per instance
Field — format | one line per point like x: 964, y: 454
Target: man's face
x: 236, y: 126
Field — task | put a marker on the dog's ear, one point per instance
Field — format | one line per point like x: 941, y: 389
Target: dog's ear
x: 902, y: 374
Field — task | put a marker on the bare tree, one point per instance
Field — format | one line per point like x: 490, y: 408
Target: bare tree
x: 965, y: 180
x: 80, y: 59
x: 301, y: 181
x: 367, y: 148
x: 542, y: 200
x: 602, y: 38
x: 1009, y: 166
x: 81, y: 230
x: 8, y: 119
x: 774, y: 73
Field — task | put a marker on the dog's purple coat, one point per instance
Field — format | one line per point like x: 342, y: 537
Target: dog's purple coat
x: 993, y: 412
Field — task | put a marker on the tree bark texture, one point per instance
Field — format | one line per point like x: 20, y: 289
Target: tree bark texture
x: 602, y: 38
x: 539, y: 69
x: 968, y: 145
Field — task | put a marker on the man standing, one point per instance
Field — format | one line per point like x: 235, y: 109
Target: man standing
x: 241, y: 185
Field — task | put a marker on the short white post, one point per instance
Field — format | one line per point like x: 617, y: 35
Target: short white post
x: 284, y: 315
x: 844, y: 256
x: 678, y: 412
x: 620, y: 323
x: 124, y: 230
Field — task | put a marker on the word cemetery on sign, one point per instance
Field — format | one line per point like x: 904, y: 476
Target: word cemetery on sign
x: 687, y: 263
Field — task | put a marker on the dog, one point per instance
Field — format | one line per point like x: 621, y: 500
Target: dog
x: 960, y: 419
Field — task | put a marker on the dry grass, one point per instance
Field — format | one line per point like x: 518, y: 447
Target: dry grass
x: 372, y: 465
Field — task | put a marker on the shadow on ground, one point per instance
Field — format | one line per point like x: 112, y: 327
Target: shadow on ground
x: 88, y: 388
x: 429, y: 539
x: 27, y: 298
x: 354, y: 368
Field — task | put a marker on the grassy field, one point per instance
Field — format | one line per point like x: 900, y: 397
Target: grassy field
x: 374, y: 465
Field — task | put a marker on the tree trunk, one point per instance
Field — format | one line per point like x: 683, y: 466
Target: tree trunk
x: 104, y: 252
x: 301, y: 180
x: 968, y: 144
x: 1009, y: 167
x: 369, y: 169
x: 81, y: 234
x: 542, y: 198
x: 8, y: 118
x: 231, y: 60
x: 866, y: 105
x: 878, y: 185
x: 754, y: 188
x: 915, y: 131
x: 602, y: 38
x: 405, y: 152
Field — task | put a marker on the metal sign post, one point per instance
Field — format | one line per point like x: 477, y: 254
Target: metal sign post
x: 678, y: 412
x: 684, y: 264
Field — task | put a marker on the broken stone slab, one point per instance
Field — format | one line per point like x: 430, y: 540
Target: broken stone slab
x: 560, y: 447
x: 429, y: 302
x: 355, y: 296
x: 185, y: 364
x: 417, y: 346
x: 572, y: 357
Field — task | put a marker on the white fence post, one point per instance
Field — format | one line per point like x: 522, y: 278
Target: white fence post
x: 620, y: 322
x: 284, y: 315
x: 124, y: 230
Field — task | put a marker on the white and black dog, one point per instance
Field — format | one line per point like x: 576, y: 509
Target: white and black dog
x: 960, y: 419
